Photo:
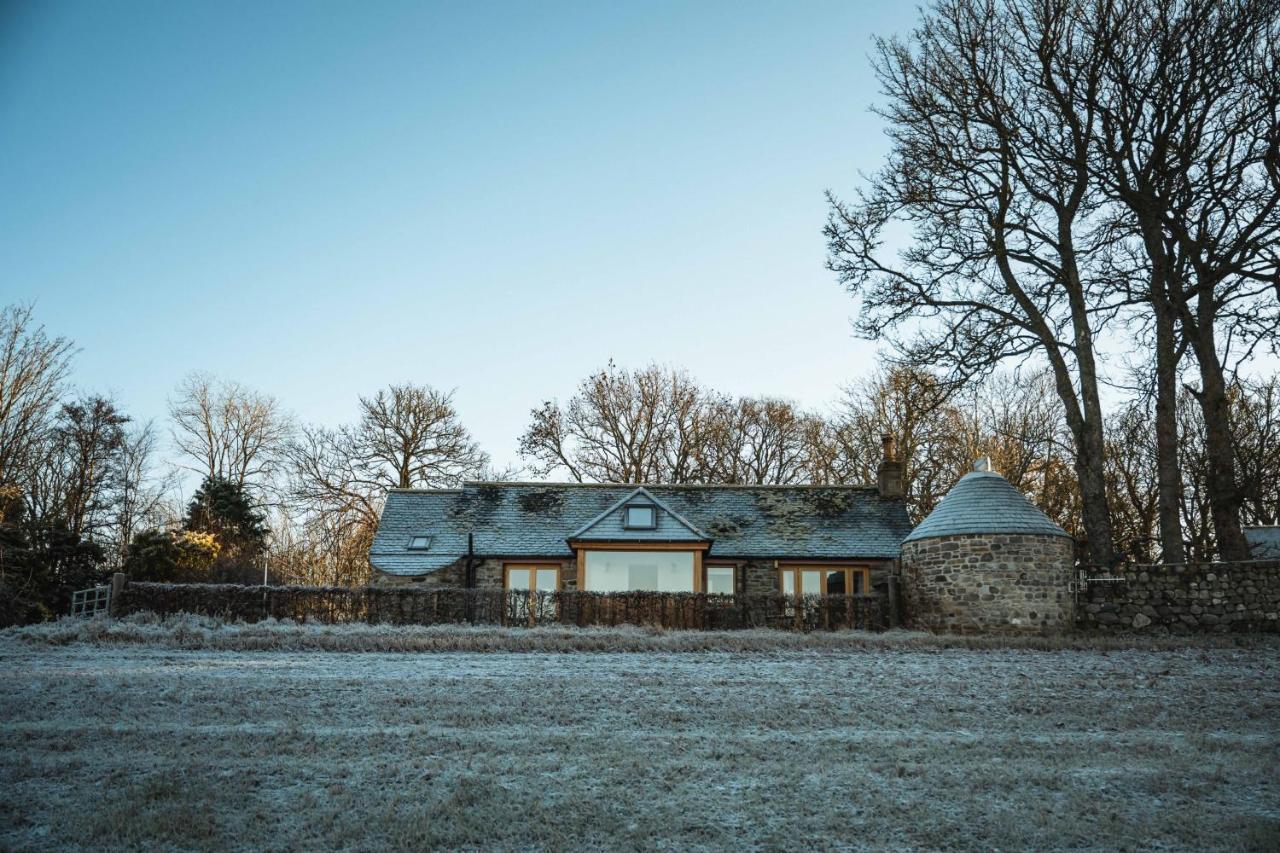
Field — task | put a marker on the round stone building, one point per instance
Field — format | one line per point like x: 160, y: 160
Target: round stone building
x: 987, y: 561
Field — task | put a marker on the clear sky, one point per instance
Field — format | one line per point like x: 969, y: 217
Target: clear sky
x: 318, y: 199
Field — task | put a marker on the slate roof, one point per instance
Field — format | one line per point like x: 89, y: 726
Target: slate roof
x: 536, y: 519
x: 984, y: 502
x: 1264, y: 542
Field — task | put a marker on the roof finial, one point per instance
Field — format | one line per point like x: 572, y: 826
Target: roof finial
x: 983, y: 463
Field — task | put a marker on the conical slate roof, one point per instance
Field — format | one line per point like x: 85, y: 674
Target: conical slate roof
x: 984, y: 502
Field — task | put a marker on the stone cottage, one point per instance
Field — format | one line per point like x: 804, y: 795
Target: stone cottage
x: 609, y: 537
x: 985, y: 560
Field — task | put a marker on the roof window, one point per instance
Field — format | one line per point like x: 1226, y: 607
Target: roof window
x: 639, y: 517
x: 419, y: 543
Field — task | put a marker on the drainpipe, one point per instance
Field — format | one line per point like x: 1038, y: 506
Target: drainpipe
x: 469, y: 578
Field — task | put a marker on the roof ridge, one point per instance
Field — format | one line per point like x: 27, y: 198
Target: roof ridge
x: 412, y: 489
x: 551, y: 483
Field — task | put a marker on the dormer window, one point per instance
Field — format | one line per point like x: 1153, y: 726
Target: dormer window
x: 639, y: 517
x: 419, y: 543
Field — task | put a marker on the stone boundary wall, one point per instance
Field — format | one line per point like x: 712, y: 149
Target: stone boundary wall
x: 988, y: 583
x: 1184, y: 599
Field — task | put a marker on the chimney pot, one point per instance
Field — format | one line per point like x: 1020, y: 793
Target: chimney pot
x: 890, y: 473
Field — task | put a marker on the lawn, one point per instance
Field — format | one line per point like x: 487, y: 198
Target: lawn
x: 117, y: 746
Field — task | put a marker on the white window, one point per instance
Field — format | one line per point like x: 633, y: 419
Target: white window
x: 419, y: 543
x: 640, y: 517
x: 626, y: 571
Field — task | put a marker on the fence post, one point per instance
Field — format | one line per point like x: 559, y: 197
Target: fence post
x: 118, y: 581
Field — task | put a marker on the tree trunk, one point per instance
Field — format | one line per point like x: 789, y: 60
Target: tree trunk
x: 1091, y: 456
x: 1168, y: 466
x: 1224, y: 494
x: 1225, y: 500
x: 1168, y: 469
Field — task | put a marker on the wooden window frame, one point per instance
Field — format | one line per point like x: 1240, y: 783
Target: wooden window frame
x: 699, y: 550
x: 848, y: 568
x: 533, y: 566
x: 733, y: 567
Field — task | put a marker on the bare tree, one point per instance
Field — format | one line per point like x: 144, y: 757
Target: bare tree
x: 414, y: 433
x: 989, y: 167
x: 89, y: 436
x: 1255, y: 416
x: 755, y: 441
x: 33, y: 368
x: 659, y: 425
x: 1132, y: 479
x: 68, y: 482
x: 227, y: 431
x: 321, y: 550
x: 1188, y: 112
x: 914, y: 407
x: 408, y: 436
x: 621, y: 426
x: 141, y: 492
x: 1256, y: 421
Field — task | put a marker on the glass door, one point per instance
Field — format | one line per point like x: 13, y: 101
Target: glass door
x: 532, y: 580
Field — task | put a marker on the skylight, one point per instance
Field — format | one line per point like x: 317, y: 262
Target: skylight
x: 419, y: 543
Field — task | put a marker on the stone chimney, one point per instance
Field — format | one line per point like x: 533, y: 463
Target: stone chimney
x: 890, y: 479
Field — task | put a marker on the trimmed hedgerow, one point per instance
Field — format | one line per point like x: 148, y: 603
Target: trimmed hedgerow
x: 379, y: 605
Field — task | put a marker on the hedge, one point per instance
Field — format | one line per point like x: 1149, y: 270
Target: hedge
x: 382, y: 605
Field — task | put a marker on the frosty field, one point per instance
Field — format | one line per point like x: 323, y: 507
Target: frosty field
x: 124, y: 746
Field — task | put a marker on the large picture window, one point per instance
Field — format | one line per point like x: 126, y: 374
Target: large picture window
x: 627, y: 571
x: 824, y: 580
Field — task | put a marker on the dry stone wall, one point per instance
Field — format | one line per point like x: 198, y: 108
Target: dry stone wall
x: 1192, y: 598
x: 989, y: 583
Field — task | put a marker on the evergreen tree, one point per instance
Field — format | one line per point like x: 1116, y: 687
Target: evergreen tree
x: 42, y: 561
x: 222, y: 508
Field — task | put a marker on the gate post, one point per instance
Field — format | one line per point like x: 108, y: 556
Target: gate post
x: 891, y: 601
x: 118, y: 582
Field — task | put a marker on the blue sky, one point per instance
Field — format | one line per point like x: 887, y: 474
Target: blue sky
x: 318, y: 199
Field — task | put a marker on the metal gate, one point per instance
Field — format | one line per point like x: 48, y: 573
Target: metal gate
x: 91, y: 602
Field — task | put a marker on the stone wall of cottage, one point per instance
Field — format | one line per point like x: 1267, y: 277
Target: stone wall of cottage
x: 757, y: 578
x: 448, y: 577
x: 989, y: 583
x: 1198, y: 597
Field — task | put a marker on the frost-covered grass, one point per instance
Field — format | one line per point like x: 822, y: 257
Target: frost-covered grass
x: 200, y: 632
x: 127, y: 744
